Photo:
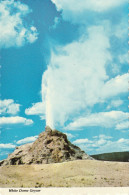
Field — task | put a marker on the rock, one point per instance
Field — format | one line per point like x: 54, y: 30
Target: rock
x: 51, y: 146
x: 21, y: 155
x: 1, y: 162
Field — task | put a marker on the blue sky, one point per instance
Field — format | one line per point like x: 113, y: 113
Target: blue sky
x: 64, y: 64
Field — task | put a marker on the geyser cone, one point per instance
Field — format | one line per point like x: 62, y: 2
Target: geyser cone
x: 48, y: 129
x: 51, y: 146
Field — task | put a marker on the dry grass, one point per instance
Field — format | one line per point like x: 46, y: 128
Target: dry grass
x: 69, y: 174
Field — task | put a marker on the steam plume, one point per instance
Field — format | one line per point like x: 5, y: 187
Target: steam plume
x: 73, y: 81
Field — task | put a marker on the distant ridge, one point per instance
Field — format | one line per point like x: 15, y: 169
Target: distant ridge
x: 51, y: 146
x: 114, y: 156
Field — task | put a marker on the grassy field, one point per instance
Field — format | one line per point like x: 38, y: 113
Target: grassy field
x: 80, y: 173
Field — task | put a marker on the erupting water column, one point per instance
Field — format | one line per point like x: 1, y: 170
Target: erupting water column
x: 46, y: 98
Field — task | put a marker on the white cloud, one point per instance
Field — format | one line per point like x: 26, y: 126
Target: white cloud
x: 94, y: 5
x: 103, y: 119
x: 27, y: 140
x: 56, y: 22
x: 13, y: 30
x: 7, y: 106
x: 101, y: 136
x: 74, y: 80
x: 69, y: 135
x: 121, y: 30
x: 115, y: 104
x: 37, y: 109
x: 123, y: 125
x: 82, y: 141
x: 15, y: 120
x: 114, y: 146
x: 102, y: 145
x: 115, y: 69
x: 115, y: 86
x: 121, y: 140
x: 73, y: 9
x: 4, y: 146
x: 123, y: 58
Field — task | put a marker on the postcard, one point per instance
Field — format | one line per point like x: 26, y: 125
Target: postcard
x: 64, y: 97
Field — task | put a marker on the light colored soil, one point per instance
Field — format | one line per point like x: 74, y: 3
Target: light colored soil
x: 80, y: 173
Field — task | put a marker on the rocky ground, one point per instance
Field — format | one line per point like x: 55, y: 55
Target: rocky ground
x: 78, y: 173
